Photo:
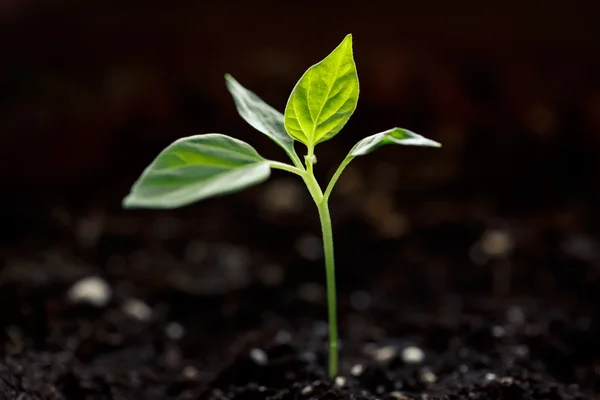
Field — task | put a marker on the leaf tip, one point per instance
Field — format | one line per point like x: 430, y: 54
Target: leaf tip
x: 348, y: 39
x: 433, y: 143
x: 127, y: 202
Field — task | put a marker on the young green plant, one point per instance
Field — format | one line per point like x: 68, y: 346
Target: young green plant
x: 202, y: 166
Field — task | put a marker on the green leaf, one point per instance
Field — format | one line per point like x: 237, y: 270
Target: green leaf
x: 261, y: 116
x: 195, y: 168
x: 324, y: 98
x: 392, y: 136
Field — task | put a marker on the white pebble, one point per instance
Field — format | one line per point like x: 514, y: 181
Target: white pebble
x: 412, y: 355
x: 385, y: 353
x: 174, y: 331
x: 306, y: 390
x: 357, y: 369
x: 259, y: 356
x: 91, y: 290
x: 490, y: 376
x: 398, y: 395
x: 137, y: 309
x: 428, y: 377
x: 496, y: 243
x: 339, y: 381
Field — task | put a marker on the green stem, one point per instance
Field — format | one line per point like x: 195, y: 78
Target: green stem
x: 336, y: 176
x: 325, y: 218
x: 296, y: 160
x: 286, y: 167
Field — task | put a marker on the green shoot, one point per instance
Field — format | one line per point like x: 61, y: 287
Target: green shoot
x: 202, y: 166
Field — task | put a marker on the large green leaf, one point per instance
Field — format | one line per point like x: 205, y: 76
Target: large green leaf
x: 195, y: 168
x: 392, y: 136
x: 324, y: 98
x: 260, y: 115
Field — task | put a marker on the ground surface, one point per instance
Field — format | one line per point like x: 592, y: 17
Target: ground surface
x: 242, y: 315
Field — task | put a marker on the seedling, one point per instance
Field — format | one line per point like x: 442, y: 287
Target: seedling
x: 202, y: 166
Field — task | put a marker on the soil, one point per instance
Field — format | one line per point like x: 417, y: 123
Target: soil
x: 221, y: 301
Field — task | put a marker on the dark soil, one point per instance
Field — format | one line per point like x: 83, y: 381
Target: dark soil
x: 242, y: 315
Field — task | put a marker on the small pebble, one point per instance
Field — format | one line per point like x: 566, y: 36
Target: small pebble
x: 399, y: 395
x: 306, y: 390
x: 357, y: 370
x: 490, y: 376
x: 428, y: 377
x: 515, y: 315
x: 498, y: 331
x: 385, y: 353
x: 174, y: 331
x: 339, y: 381
x: 412, y: 355
x: 520, y: 351
x: 259, y: 356
x: 321, y: 329
x: 573, y: 387
x: 463, y: 369
x: 507, y: 380
x: 496, y: 243
x: 190, y: 373
x: 283, y: 337
x: 380, y: 389
x: 137, y: 309
x: 91, y: 290
x: 308, y: 357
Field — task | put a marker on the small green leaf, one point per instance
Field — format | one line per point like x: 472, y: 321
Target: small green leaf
x: 195, y: 168
x: 260, y: 115
x: 392, y: 136
x: 324, y: 98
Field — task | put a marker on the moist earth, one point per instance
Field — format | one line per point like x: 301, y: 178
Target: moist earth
x: 170, y: 314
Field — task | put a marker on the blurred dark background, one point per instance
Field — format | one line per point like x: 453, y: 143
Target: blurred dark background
x: 92, y: 91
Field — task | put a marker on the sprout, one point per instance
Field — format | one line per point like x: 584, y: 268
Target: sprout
x: 203, y: 166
